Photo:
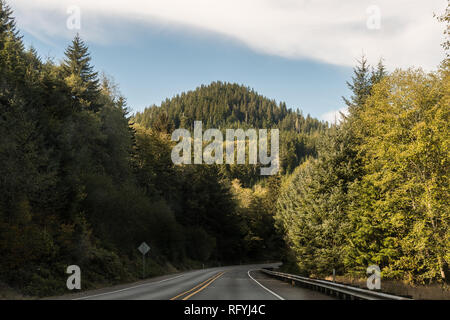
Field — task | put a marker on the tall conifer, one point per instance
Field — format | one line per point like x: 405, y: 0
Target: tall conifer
x: 80, y: 75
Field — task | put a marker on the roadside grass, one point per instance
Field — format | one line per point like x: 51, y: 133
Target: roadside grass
x: 434, y: 291
x: 400, y: 288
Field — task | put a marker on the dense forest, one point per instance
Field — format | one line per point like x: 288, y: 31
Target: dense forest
x: 83, y: 181
x: 227, y: 106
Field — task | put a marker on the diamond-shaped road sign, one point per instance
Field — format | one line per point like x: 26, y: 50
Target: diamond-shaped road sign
x: 143, y: 248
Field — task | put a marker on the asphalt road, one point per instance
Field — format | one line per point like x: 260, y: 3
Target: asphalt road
x: 222, y: 283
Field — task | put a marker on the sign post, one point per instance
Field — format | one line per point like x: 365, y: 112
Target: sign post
x: 143, y: 248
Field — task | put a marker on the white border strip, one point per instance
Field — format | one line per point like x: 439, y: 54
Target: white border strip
x: 276, y: 295
x: 141, y: 285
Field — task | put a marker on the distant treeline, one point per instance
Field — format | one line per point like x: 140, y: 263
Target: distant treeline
x: 227, y: 105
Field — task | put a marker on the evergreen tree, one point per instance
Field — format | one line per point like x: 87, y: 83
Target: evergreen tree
x: 360, y: 85
x: 80, y: 76
x: 378, y: 74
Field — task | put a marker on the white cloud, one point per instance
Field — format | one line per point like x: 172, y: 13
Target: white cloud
x: 334, y: 116
x: 325, y: 30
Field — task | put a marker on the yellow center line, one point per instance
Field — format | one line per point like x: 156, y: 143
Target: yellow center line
x: 217, y: 277
x: 200, y: 284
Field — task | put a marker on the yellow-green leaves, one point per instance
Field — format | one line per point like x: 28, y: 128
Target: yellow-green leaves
x: 404, y: 135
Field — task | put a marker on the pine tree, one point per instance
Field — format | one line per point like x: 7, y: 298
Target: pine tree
x: 378, y: 73
x: 80, y: 76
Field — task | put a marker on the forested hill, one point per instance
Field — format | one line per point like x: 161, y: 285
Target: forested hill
x: 229, y: 105
x: 82, y: 186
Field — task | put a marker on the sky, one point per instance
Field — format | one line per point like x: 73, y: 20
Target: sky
x: 297, y: 51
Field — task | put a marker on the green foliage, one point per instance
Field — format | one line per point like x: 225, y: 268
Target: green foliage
x: 313, y: 206
x: 227, y: 106
x: 79, y: 76
x: 201, y: 244
x: 81, y: 183
x: 378, y: 192
x: 256, y: 209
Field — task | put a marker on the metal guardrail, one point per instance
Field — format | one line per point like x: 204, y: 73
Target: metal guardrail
x: 341, y: 291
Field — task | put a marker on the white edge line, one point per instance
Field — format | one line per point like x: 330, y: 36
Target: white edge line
x: 141, y: 285
x: 276, y: 295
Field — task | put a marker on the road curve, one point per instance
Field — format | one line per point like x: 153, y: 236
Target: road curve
x: 222, y: 283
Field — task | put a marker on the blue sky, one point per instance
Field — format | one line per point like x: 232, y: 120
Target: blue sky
x: 298, y: 51
x: 158, y: 66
